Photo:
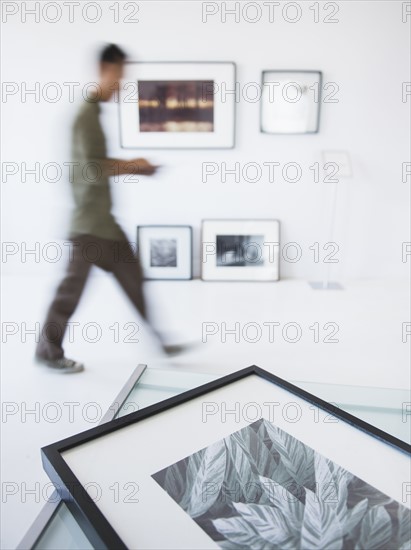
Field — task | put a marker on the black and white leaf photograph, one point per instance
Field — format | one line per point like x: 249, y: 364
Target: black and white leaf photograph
x: 260, y: 488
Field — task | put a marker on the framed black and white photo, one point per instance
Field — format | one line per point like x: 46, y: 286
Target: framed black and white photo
x: 240, y: 250
x: 290, y: 102
x: 246, y: 461
x: 177, y: 105
x: 165, y: 251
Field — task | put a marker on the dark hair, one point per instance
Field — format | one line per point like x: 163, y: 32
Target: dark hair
x: 112, y: 54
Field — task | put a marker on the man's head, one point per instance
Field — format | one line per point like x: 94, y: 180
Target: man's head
x: 112, y: 60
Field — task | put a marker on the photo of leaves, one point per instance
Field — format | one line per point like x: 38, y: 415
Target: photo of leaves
x: 261, y: 488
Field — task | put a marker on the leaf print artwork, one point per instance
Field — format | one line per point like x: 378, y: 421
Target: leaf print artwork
x: 262, y: 489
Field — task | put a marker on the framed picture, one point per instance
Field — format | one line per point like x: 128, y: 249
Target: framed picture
x: 55, y: 527
x: 178, y: 105
x: 240, y: 250
x: 291, y: 102
x: 165, y: 251
x: 246, y: 461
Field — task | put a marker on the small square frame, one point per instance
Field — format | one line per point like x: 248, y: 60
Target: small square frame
x: 162, y: 272
x: 313, y: 118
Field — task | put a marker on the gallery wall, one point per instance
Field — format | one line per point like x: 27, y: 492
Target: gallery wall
x: 364, y: 54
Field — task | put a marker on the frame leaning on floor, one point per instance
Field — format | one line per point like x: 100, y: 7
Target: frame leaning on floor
x: 86, y: 512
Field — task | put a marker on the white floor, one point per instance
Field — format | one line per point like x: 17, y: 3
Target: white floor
x: 369, y: 316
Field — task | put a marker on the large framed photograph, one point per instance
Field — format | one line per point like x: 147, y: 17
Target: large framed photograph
x: 246, y: 461
x: 240, y: 250
x: 165, y: 251
x: 177, y: 105
x: 290, y: 102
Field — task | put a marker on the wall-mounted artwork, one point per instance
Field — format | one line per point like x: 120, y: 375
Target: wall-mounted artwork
x: 290, y: 102
x: 240, y: 250
x: 177, y: 105
x: 165, y: 251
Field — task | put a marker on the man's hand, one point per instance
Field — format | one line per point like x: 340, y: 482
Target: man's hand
x: 144, y: 167
x: 118, y: 167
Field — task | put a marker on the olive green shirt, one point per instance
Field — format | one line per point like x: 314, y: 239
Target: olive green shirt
x: 90, y: 185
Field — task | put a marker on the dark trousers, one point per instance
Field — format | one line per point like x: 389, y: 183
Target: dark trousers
x: 116, y: 257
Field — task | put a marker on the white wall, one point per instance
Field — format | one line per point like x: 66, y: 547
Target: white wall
x: 366, y: 54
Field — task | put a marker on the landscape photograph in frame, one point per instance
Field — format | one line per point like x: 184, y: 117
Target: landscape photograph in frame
x: 176, y: 106
x: 240, y: 250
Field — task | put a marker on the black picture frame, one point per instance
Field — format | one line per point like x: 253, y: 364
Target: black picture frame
x: 95, y: 525
x: 190, y: 231
x: 316, y: 131
x: 199, y: 63
x: 50, y: 510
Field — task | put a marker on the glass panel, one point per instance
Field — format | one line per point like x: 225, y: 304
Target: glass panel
x: 384, y: 408
x: 155, y: 385
x: 63, y: 533
x: 381, y: 407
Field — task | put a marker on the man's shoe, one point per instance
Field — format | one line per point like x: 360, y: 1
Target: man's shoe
x: 62, y: 365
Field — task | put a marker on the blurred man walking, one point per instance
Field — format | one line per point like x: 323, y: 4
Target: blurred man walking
x: 96, y: 237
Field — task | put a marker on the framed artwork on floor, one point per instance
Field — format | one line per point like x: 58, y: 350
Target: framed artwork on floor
x: 240, y: 250
x: 290, y: 102
x: 165, y: 251
x: 178, y: 105
x: 246, y: 461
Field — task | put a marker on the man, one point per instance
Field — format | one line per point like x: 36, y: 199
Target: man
x: 96, y: 237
